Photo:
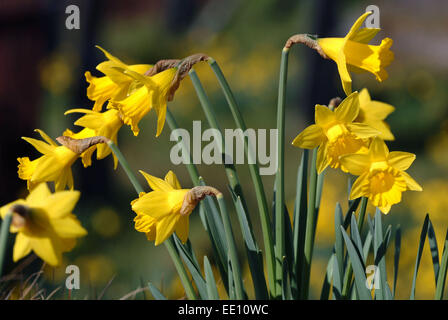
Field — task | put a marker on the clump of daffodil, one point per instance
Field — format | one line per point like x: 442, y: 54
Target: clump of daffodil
x: 336, y: 133
x: 106, y: 124
x: 114, y: 85
x: 146, y: 93
x: 54, y: 164
x: 44, y: 224
x: 382, y: 177
x: 373, y: 113
x: 167, y: 208
x: 353, y: 52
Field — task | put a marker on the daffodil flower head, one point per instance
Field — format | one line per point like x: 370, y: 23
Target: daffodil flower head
x: 382, y: 177
x: 336, y: 133
x: 44, y: 224
x: 54, y: 164
x: 373, y: 113
x: 114, y: 85
x: 106, y: 124
x: 353, y: 52
x: 167, y: 208
x: 145, y: 94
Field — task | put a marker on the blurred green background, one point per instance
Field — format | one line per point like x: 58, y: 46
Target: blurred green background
x: 42, y: 75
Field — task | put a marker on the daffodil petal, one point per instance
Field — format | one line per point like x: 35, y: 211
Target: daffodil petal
x: 46, y: 250
x: 46, y: 137
x: 154, y: 204
x: 166, y: 227
x: 359, y: 186
x: 348, y: 110
x: 38, y: 195
x: 355, y: 163
x: 323, y: 116
x: 60, y: 204
x: 401, y: 160
x: 410, y: 182
x: 362, y: 130
x: 172, y: 180
x: 378, y: 149
x: 155, y: 183
x: 22, y: 247
x: 355, y: 27
x: 309, y: 138
x: 182, y: 228
x: 40, y: 146
x: 68, y: 227
x: 322, y: 158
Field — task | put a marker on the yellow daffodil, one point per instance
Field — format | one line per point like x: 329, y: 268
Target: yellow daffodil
x: 106, y: 124
x: 148, y: 93
x: 54, y: 165
x: 353, y: 52
x: 44, y: 224
x: 382, y: 177
x: 373, y: 113
x: 335, y: 133
x: 159, y: 211
x: 114, y: 85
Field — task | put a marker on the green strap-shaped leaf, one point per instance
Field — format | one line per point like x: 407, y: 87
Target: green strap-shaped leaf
x: 337, y: 281
x: 339, y: 242
x: 325, y: 292
x: 192, y: 266
x: 419, y: 254
x: 212, y: 291
x: 254, y: 255
x: 396, y: 257
x: 286, y: 287
x: 358, y: 268
x: 434, y: 249
x: 380, y: 255
x: 442, y: 271
x: 366, y: 246
x: 300, y: 208
x: 155, y: 292
x: 356, y: 237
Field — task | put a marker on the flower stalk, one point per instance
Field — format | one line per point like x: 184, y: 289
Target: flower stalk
x: 255, y: 175
x: 4, y: 232
x: 279, y: 179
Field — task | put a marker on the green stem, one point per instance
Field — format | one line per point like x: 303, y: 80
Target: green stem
x: 230, y: 170
x: 4, y: 232
x: 174, y: 254
x: 127, y: 169
x: 237, y: 277
x: 169, y: 244
x: 442, y: 272
x: 310, y: 226
x: 255, y: 175
x: 349, y: 271
x: 279, y: 182
x: 192, y: 170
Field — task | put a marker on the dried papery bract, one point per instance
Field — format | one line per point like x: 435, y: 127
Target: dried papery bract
x: 80, y: 145
x: 183, y: 67
x: 307, y: 40
x: 334, y: 103
x: 162, y: 65
x: 194, y: 196
x: 19, y: 215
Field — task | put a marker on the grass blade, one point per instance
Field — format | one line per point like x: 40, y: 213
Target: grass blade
x: 434, y: 250
x: 212, y: 291
x: 419, y: 254
x: 396, y: 257
x: 299, y: 224
x: 442, y: 271
x: 155, y: 292
x: 325, y: 292
x: 358, y: 268
x: 254, y: 256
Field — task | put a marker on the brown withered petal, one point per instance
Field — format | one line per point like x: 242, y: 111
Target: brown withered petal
x: 334, y: 103
x: 195, y: 195
x: 80, y: 145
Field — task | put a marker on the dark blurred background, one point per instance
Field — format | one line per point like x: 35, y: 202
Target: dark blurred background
x: 42, y: 68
